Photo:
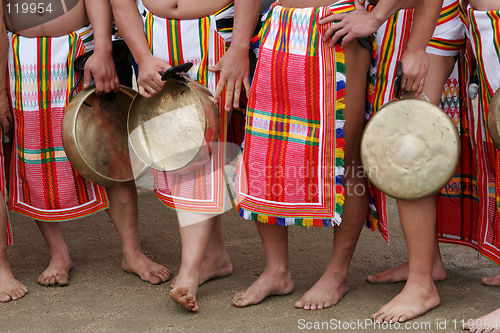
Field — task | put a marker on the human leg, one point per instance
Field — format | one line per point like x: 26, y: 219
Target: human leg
x: 215, y: 263
x: 276, y: 278
x: 60, y: 262
x: 333, y: 284
x: 123, y: 212
x: 400, y: 273
x: 195, y: 239
x: 418, y: 219
x: 10, y: 288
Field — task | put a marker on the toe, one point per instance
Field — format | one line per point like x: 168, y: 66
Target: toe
x: 307, y: 305
x: 62, y: 281
x: 153, y: 279
x: 52, y: 280
x: 299, y: 304
x: 4, y: 297
x: 173, y: 283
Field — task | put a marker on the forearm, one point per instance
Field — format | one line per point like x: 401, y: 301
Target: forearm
x: 129, y: 22
x: 99, y: 13
x: 425, y: 19
x: 246, y: 14
x: 3, y: 52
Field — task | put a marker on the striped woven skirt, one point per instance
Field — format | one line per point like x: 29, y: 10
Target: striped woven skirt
x: 43, y: 183
x: 458, y: 202
x: 291, y: 171
x: 484, y: 32
x: 198, y: 41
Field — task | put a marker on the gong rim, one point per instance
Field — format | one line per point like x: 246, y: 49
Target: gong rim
x: 381, y: 176
x: 74, y: 150
x: 135, y: 121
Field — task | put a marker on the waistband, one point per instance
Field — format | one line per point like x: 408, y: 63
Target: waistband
x: 224, y: 15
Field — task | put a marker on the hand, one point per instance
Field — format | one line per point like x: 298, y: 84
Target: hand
x: 101, y: 67
x: 356, y: 24
x: 149, y: 80
x: 415, y: 65
x: 234, y: 68
x: 6, y: 119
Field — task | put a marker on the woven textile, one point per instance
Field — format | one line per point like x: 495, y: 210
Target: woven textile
x: 199, y: 42
x: 484, y: 31
x: 291, y: 172
x: 458, y: 202
x: 44, y: 185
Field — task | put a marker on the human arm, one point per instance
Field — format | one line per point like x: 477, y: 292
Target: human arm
x: 5, y: 113
x: 359, y: 23
x: 234, y: 66
x: 415, y: 61
x: 129, y: 23
x: 100, y: 64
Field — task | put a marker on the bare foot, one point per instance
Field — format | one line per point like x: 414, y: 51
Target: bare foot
x: 181, y: 295
x: 485, y: 324
x: 210, y: 271
x: 268, y: 284
x: 400, y: 274
x: 413, y: 301
x: 329, y: 289
x: 492, y: 281
x: 57, y: 272
x: 10, y: 288
x: 148, y: 270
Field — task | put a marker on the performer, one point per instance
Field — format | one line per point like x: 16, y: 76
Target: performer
x: 418, y: 217
x: 10, y: 288
x: 44, y: 185
x: 304, y: 125
x: 170, y: 33
x: 484, y: 17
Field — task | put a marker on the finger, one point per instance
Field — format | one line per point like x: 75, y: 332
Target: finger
x: 5, y: 125
x: 144, y: 93
x: 338, y: 35
x: 421, y: 86
x: 152, y: 91
x: 107, y: 87
x: 332, y: 32
x: 117, y: 84
x: 349, y: 37
x: 415, y: 85
x: 157, y: 83
x: 331, y: 18
x: 237, y: 92
x: 99, y: 86
x: 408, y: 85
x: 358, y: 4
x: 219, y: 89
x: 229, y: 95
x: 112, y: 85
x: 87, y: 78
x: 214, y: 68
x: 246, y: 84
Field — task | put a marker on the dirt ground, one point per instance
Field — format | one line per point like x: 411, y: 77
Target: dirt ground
x: 103, y: 298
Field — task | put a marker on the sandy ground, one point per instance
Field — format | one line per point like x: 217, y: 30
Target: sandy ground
x: 103, y: 298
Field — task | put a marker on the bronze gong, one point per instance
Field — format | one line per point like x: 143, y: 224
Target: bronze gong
x: 410, y: 149
x: 177, y: 129
x: 94, y: 133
